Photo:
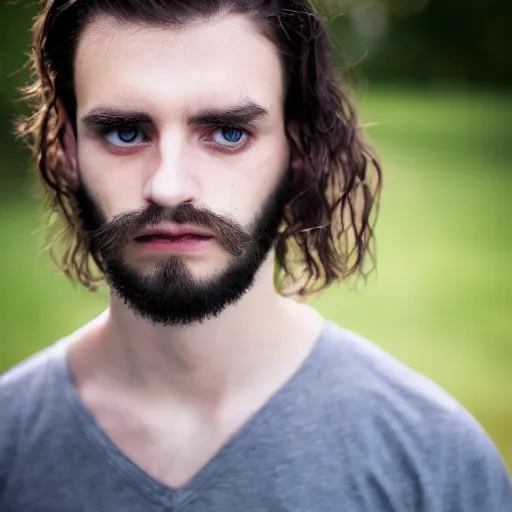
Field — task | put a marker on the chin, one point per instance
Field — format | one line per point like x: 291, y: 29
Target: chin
x: 176, y: 292
x: 203, y: 270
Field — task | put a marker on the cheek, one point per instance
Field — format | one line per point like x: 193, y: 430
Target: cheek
x: 114, y: 184
x: 264, y: 172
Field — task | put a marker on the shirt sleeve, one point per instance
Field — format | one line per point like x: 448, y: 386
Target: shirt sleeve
x: 479, y: 480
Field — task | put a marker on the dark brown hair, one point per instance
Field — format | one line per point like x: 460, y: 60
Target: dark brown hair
x: 327, y: 227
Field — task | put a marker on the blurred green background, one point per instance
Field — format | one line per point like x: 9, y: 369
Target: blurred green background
x: 434, y: 84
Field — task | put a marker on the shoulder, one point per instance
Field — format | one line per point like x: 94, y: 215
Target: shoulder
x: 411, y: 426
x: 24, y: 381
x: 363, y: 375
x: 26, y: 391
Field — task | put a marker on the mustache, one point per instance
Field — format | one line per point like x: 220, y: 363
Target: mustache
x: 114, y: 234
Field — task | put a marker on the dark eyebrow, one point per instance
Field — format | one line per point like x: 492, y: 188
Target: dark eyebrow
x: 107, y: 116
x: 230, y: 116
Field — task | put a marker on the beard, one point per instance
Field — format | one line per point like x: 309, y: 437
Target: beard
x: 170, y: 294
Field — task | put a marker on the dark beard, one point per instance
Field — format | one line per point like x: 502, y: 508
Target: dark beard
x: 170, y: 294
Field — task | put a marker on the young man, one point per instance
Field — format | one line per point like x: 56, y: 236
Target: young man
x: 193, y: 148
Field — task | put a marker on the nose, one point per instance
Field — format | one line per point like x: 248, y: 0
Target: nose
x: 173, y: 182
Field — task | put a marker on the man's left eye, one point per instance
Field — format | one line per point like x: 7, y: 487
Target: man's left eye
x: 229, y: 136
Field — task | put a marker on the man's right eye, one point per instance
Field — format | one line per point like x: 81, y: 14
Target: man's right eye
x: 125, y: 136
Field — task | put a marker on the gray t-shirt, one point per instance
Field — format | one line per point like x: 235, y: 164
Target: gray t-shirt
x: 352, y: 430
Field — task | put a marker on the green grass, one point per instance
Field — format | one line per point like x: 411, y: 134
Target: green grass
x: 441, y: 301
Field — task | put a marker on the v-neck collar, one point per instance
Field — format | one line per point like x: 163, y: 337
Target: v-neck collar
x: 226, y: 458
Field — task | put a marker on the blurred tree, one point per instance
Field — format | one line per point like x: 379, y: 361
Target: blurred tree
x: 426, y: 41
x: 15, y: 20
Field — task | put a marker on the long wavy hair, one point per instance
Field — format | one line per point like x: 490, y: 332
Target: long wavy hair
x: 327, y: 230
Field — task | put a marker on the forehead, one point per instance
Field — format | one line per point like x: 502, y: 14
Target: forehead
x: 214, y: 63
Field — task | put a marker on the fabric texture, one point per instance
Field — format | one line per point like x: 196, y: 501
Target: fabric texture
x: 352, y: 430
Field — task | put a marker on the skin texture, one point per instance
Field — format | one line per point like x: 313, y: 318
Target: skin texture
x: 209, y: 377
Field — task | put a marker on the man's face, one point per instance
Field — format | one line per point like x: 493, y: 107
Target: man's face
x: 183, y: 130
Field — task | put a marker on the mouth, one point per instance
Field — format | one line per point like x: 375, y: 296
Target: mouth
x: 180, y: 240
x: 165, y: 238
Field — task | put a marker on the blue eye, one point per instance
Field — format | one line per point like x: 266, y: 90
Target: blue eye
x: 125, y: 136
x: 232, y: 134
x: 229, y: 136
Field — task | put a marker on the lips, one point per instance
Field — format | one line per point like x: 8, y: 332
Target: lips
x: 164, y: 238
x: 155, y: 235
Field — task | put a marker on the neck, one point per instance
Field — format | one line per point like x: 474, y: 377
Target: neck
x: 208, y: 361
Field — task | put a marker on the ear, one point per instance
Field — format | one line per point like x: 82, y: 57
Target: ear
x: 69, y: 147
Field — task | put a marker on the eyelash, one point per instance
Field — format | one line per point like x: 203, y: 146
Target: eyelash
x: 106, y: 130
